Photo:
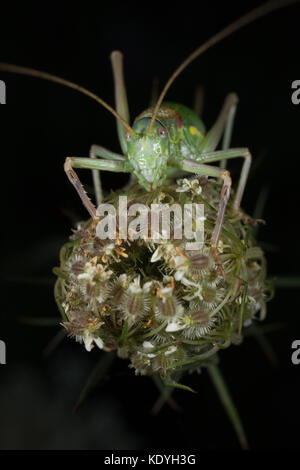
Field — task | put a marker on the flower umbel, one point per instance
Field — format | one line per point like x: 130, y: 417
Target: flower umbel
x: 157, y: 303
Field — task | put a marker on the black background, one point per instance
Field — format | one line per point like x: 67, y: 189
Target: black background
x: 43, y: 123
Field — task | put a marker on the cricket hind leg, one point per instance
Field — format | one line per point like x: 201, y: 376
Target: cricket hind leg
x: 120, y: 96
x: 228, y: 130
x: 223, y: 124
x: 121, y: 105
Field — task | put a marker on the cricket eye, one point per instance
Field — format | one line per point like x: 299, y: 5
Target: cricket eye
x: 127, y: 136
x: 162, y: 132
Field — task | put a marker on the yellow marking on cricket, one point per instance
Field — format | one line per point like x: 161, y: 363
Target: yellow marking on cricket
x: 194, y: 131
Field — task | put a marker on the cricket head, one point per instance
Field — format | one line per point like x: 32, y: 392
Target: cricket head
x: 148, y: 152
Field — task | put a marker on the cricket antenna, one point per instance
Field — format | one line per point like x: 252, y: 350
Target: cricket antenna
x: 53, y: 78
x: 238, y: 24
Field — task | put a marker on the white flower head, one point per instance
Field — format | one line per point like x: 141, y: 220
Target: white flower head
x: 175, y: 326
x: 194, y: 289
x: 108, y: 249
x: 189, y: 185
x: 91, y: 269
x: 102, y: 272
x: 123, y: 279
x: 147, y: 345
x: 88, y: 338
x: 135, y: 286
x: 164, y: 292
x: 165, y: 251
x: 181, y: 265
x: 170, y: 350
x: 88, y: 273
x: 220, y: 246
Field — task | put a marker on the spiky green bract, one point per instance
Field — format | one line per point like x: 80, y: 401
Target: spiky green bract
x: 162, y: 307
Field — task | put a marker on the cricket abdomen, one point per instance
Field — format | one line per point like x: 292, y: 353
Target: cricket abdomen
x: 193, y: 128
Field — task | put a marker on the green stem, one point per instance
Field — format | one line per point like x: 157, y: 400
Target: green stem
x: 172, y: 383
x: 96, y: 375
x: 228, y: 404
x: 155, y: 331
x: 265, y: 344
x: 242, y: 309
x: 124, y: 334
x: 165, y: 396
x: 196, y: 359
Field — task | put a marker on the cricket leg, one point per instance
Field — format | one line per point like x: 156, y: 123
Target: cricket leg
x: 208, y: 170
x: 121, y: 104
x: 220, y: 155
x: 120, y: 96
x: 174, y: 173
x: 98, y: 151
x: 228, y: 131
x: 90, y: 164
x: 223, y: 122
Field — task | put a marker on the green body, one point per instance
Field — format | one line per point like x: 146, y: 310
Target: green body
x: 165, y: 142
x: 193, y: 129
x: 151, y: 155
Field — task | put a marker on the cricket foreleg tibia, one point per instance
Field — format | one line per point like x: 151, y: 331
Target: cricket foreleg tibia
x: 207, y: 170
x: 90, y: 164
x: 98, y: 151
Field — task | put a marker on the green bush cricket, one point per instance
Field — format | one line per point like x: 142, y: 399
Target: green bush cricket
x: 167, y: 140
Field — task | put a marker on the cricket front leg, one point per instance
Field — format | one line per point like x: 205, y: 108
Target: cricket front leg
x: 99, y: 151
x: 90, y: 164
x: 207, y: 170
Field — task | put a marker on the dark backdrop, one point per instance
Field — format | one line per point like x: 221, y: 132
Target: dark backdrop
x: 43, y: 123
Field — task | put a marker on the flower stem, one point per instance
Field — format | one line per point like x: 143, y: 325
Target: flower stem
x: 227, y: 402
x: 165, y: 396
